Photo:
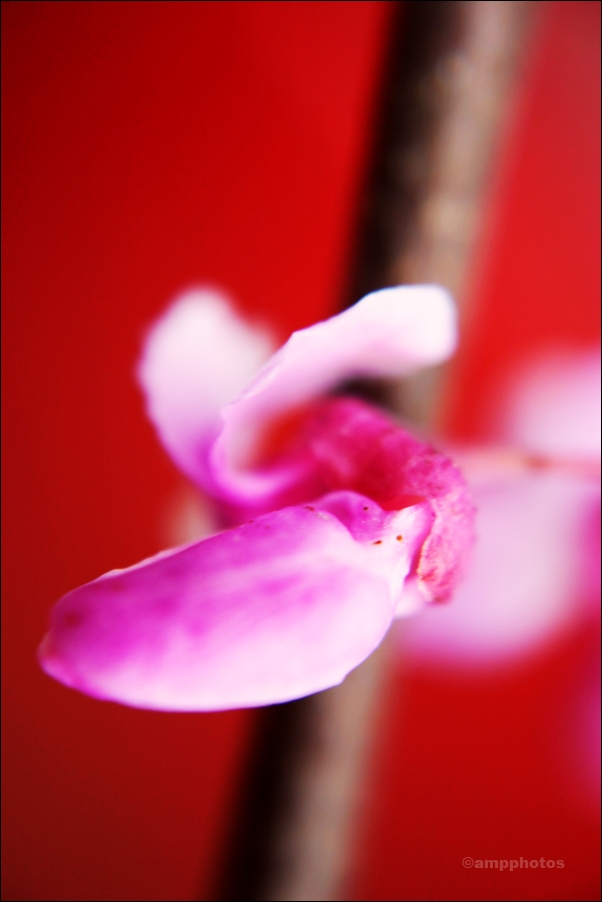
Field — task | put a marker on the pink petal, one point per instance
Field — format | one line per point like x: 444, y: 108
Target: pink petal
x: 196, y: 358
x: 273, y: 610
x: 358, y: 447
x: 392, y: 332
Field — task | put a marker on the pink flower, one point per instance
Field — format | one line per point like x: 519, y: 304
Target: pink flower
x: 332, y: 507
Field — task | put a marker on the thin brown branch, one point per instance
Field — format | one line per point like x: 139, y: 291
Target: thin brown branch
x: 450, y: 79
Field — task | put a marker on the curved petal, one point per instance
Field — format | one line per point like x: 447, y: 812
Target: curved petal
x: 392, y: 332
x: 196, y: 358
x: 276, y: 609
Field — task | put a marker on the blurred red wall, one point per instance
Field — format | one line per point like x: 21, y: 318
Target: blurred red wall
x: 147, y: 146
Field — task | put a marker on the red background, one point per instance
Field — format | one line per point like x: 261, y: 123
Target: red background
x: 151, y: 145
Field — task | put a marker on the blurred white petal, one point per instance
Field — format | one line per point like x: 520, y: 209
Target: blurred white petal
x: 196, y: 358
x: 554, y: 409
x: 529, y: 572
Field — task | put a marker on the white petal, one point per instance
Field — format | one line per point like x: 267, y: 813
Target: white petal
x: 530, y: 575
x: 196, y: 358
x: 392, y: 332
x: 554, y: 407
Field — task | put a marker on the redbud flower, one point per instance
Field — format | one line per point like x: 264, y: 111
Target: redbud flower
x: 332, y: 508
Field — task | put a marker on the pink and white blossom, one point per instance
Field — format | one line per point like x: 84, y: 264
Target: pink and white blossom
x: 333, y: 510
